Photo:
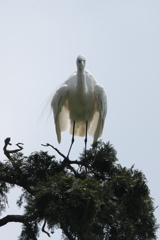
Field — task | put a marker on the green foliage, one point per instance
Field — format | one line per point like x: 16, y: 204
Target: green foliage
x: 4, y: 189
x: 100, y: 200
x: 29, y: 231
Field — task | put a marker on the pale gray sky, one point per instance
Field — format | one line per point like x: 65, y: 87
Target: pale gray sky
x: 40, y: 41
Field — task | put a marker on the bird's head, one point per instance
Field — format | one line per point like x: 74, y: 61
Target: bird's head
x: 81, y: 61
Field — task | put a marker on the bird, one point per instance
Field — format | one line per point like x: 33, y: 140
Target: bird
x: 81, y: 102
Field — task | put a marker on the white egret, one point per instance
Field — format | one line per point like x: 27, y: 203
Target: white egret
x: 82, y: 101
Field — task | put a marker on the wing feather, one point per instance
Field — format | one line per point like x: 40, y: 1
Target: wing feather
x: 60, y: 110
x: 101, y: 105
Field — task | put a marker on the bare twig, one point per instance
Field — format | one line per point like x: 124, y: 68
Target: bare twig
x: 43, y: 228
x: 8, y: 152
x: 49, y: 145
x: 66, y: 159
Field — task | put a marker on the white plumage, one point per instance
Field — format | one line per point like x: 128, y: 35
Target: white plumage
x: 82, y: 102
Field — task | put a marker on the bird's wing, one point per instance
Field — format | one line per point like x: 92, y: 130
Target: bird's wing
x: 100, y: 111
x: 60, y: 110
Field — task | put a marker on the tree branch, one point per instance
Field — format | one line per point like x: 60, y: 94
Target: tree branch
x: 8, y: 152
x: 49, y: 145
x: 12, y: 218
x: 43, y: 228
x: 66, y: 159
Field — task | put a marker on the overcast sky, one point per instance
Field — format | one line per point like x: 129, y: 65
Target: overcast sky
x: 39, y: 43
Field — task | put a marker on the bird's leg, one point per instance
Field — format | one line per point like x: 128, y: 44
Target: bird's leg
x: 72, y: 141
x: 85, y: 140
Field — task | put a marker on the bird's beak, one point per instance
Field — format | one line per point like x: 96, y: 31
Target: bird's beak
x: 82, y: 63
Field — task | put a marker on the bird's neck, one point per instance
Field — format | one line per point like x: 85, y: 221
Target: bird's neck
x: 81, y: 81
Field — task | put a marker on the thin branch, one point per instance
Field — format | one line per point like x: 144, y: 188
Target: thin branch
x: 66, y: 160
x: 43, y: 228
x: 49, y: 145
x: 12, y: 218
x: 8, y: 152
